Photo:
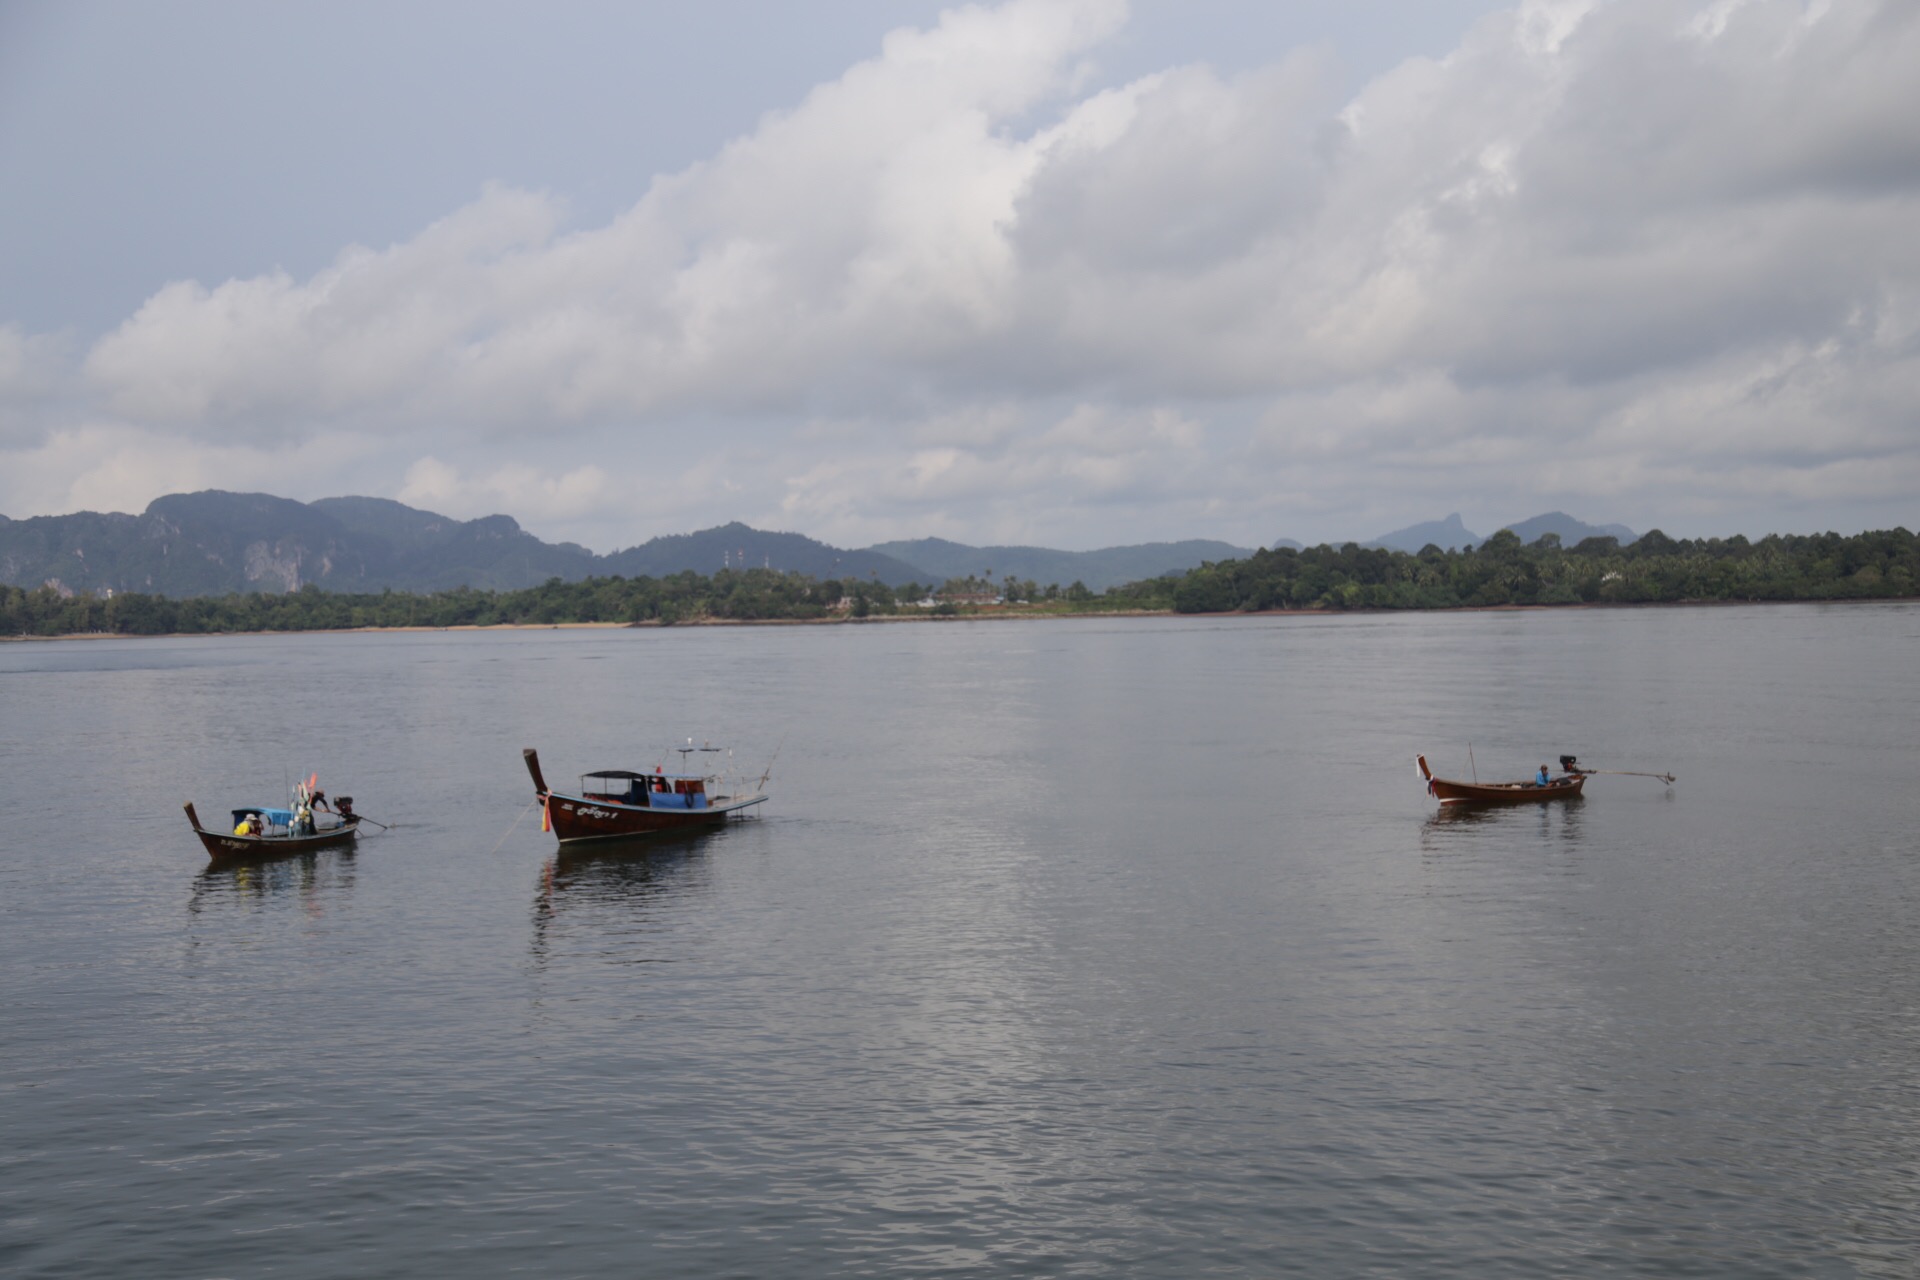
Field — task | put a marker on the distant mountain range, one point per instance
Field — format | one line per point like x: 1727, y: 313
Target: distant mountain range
x: 1447, y: 534
x: 213, y: 542
x: 192, y: 544
x: 1450, y: 534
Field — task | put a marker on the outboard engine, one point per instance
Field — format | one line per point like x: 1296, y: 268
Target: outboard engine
x: 1568, y: 764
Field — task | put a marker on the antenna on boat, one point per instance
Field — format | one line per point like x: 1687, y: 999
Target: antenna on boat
x: 1471, y: 764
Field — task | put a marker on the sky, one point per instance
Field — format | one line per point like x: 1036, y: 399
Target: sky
x: 1063, y: 272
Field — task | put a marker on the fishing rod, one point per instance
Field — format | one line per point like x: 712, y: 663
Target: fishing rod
x: 776, y: 755
x: 1570, y: 764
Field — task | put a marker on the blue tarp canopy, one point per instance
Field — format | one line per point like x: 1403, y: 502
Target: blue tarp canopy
x: 630, y: 775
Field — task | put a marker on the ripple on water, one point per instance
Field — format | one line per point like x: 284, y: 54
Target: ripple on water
x: 1128, y: 947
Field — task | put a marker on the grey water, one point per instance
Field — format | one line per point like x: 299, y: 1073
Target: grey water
x: 1084, y: 947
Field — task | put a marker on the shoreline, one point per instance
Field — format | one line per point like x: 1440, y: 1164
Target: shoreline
x: 890, y: 618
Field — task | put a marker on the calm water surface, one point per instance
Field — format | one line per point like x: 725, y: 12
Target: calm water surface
x: 1079, y: 948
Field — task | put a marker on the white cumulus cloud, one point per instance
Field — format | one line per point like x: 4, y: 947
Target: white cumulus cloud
x: 1649, y: 259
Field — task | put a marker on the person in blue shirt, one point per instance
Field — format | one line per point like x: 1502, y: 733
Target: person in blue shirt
x: 1543, y: 778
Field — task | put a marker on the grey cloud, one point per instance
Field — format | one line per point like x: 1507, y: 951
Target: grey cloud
x: 1779, y: 102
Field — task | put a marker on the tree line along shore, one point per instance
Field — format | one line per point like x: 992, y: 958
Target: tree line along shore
x: 1502, y: 571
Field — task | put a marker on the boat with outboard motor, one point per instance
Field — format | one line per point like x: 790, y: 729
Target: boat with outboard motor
x: 260, y: 831
x: 1450, y: 791
x: 614, y: 804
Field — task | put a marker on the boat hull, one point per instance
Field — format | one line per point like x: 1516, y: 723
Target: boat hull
x: 1450, y: 791
x: 225, y: 846
x: 576, y: 820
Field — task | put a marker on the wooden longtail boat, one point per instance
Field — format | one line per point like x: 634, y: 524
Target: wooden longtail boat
x: 614, y: 804
x: 1448, y: 791
x: 276, y: 832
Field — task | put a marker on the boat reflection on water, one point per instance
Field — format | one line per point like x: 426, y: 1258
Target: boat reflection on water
x: 1560, y: 822
x: 612, y: 889
x: 312, y: 878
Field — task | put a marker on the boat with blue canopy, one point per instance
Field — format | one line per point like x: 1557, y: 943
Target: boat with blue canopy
x: 613, y: 804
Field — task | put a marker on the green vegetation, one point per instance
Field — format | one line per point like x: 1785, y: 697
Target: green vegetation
x: 1103, y: 569
x: 1502, y: 571
x: 749, y: 595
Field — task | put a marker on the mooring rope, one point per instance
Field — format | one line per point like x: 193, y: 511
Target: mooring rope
x: 516, y: 824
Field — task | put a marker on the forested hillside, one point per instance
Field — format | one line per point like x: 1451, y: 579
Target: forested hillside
x: 1503, y: 570
x: 1099, y: 570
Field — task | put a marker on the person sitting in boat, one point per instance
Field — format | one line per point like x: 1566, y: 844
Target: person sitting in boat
x: 1543, y: 778
x: 249, y: 826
